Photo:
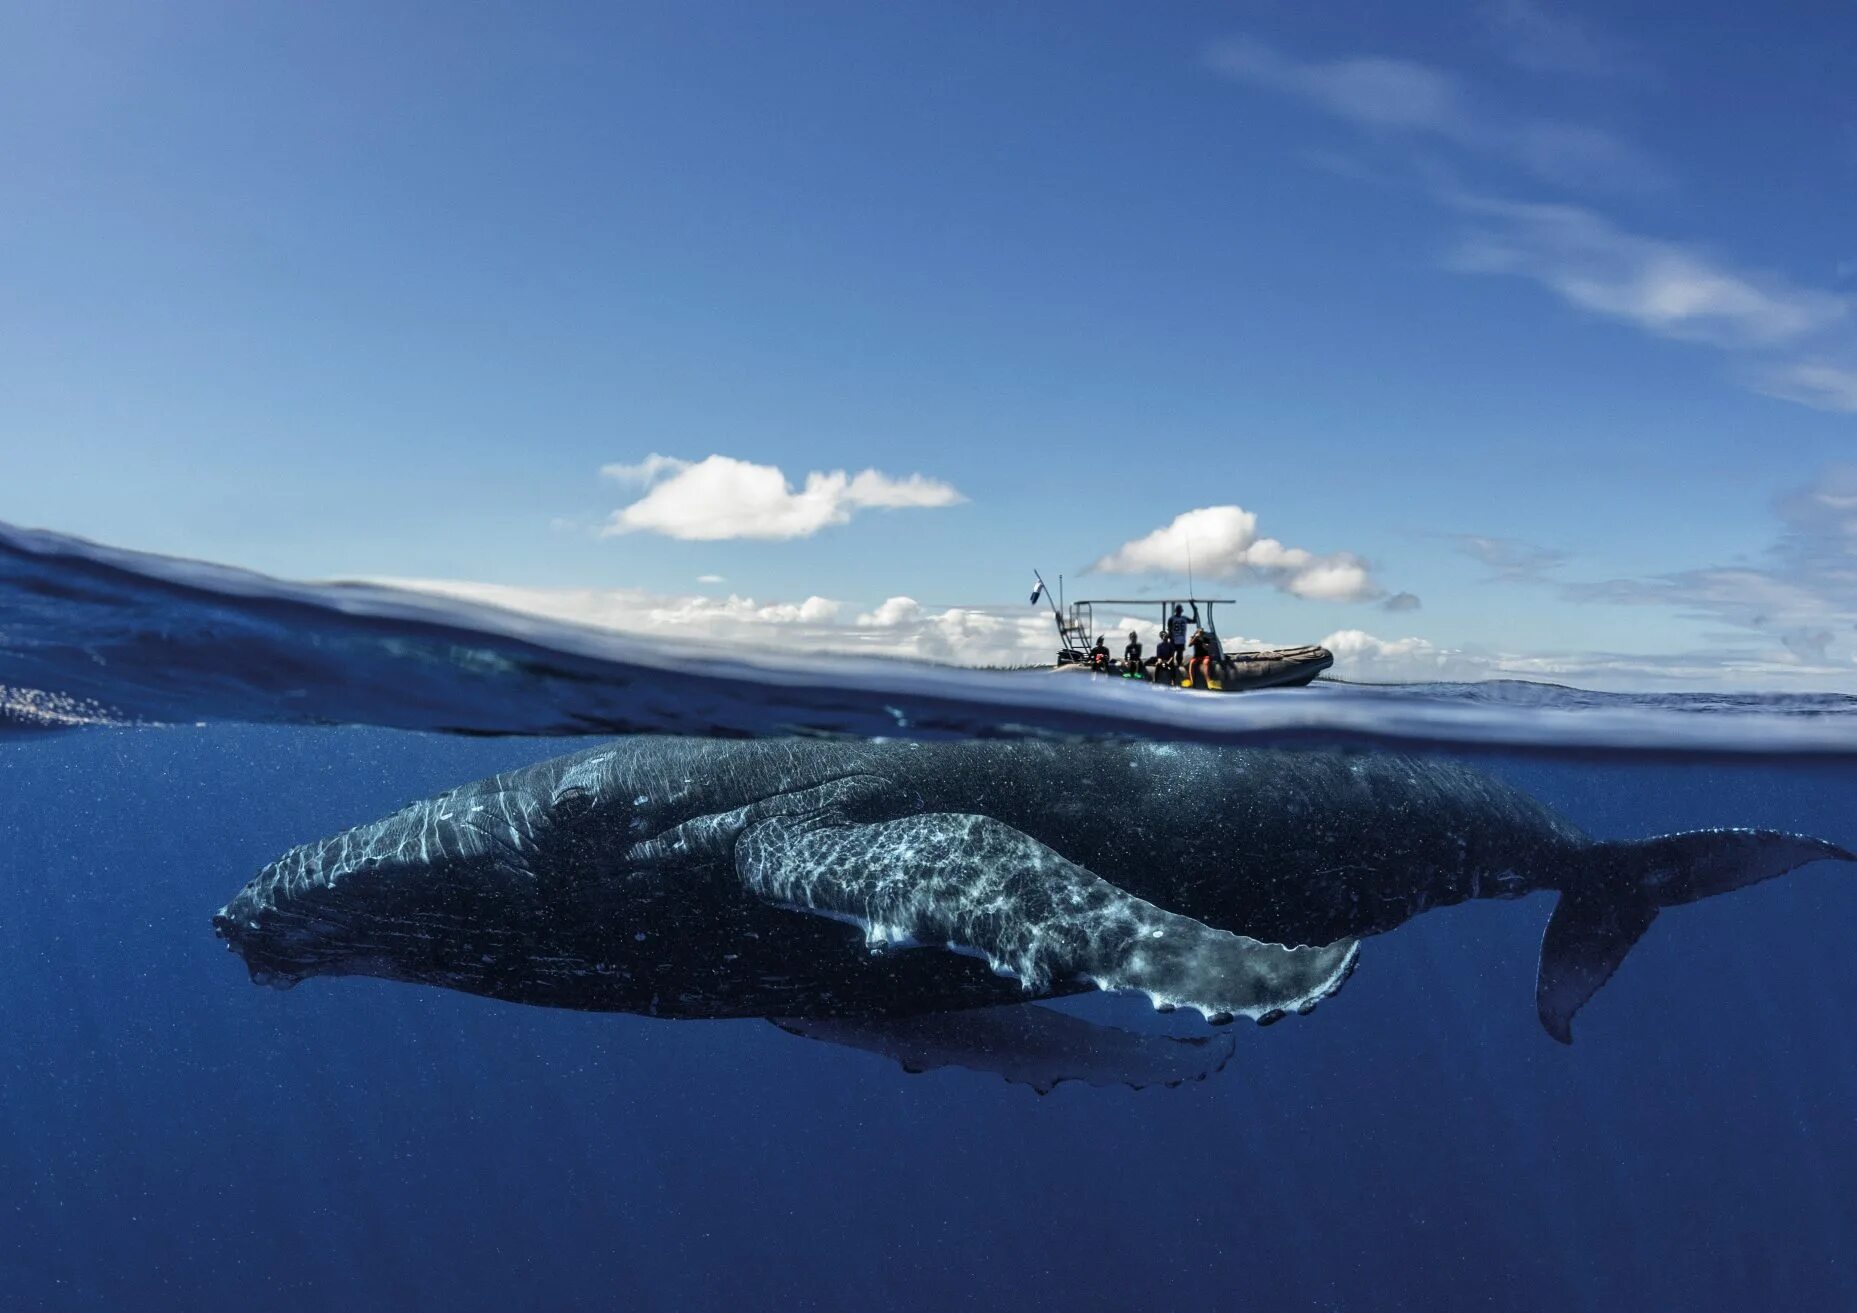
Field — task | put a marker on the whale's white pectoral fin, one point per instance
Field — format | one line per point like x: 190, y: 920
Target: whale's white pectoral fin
x: 973, y: 884
x: 1026, y: 1044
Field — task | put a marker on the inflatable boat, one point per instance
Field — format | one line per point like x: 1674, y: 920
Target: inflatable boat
x: 1215, y: 668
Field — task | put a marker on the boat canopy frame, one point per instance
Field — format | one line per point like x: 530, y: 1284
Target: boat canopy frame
x: 1076, y: 624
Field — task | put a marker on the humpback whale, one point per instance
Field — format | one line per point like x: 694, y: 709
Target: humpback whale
x: 857, y: 891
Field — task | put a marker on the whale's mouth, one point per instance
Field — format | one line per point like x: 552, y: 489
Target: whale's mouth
x: 248, y: 940
x: 226, y: 926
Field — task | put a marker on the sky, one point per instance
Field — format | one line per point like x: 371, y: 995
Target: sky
x: 1477, y: 339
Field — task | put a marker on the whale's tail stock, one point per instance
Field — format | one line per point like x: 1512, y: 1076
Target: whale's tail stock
x: 1609, y: 904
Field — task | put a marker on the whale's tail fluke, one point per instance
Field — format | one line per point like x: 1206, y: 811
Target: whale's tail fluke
x: 1608, y: 908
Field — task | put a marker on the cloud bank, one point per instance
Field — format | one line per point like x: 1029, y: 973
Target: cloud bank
x: 1788, y: 616
x: 898, y: 627
x: 971, y: 635
x: 1801, y: 596
x: 720, y: 497
x: 1222, y: 542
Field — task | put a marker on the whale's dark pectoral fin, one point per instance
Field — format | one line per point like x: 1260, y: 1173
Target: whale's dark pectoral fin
x: 1587, y: 937
x: 973, y: 884
x: 1027, y: 1045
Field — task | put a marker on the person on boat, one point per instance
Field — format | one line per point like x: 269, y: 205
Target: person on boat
x: 1166, y: 661
x: 1131, y: 656
x: 1099, y: 655
x: 1204, y: 648
x: 1178, y: 624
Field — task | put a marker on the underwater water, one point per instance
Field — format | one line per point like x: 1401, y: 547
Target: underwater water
x: 172, y: 1137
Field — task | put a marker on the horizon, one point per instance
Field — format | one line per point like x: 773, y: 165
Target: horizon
x: 1485, y: 341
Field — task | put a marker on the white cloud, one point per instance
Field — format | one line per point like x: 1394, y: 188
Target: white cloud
x: 1813, y: 383
x: 1551, y: 41
x: 1398, y: 97
x: 1362, y: 656
x: 902, y: 626
x: 1659, y: 286
x: 646, y: 471
x: 812, y: 611
x: 1797, y: 338
x: 1373, y: 91
x: 1510, y: 560
x: 1787, y: 337
x: 1221, y: 542
x: 894, y: 612
x: 721, y: 497
x: 710, y: 579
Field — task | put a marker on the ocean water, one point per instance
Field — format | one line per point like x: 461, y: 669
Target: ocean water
x: 173, y: 1137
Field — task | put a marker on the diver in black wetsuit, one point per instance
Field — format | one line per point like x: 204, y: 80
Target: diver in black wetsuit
x: 1166, y: 661
x: 1131, y: 656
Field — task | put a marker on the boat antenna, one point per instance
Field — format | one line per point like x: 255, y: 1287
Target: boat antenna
x: 1189, y: 567
x: 1055, y: 600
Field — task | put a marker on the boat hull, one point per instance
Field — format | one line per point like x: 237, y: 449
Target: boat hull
x: 1241, y: 672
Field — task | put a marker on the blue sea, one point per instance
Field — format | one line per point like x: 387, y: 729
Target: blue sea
x: 172, y: 1137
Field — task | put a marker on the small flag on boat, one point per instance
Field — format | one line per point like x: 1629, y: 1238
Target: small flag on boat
x: 1038, y: 592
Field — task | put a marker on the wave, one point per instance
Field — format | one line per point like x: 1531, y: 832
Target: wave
x: 94, y: 635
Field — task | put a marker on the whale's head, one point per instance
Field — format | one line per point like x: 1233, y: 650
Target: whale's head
x: 314, y: 912
x: 439, y: 892
x: 508, y: 891
x: 575, y: 882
